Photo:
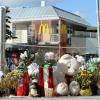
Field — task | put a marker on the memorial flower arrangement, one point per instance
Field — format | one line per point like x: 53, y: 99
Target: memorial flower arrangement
x: 88, y: 77
x: 26, y: 59
x: 84, y: 75
x: 84, y: 78
x: 10, y: 80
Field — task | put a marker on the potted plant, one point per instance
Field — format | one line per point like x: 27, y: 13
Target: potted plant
x: 10, y: 81
x: 26, y: 59
x: 84, y: 78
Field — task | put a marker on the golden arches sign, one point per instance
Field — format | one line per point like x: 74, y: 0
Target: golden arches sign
x: 44, y: 28
x: 63, y: 33
x: 63, y: 28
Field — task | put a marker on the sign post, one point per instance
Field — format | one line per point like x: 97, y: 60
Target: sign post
x: 2, y: 37
x: 98, y: 25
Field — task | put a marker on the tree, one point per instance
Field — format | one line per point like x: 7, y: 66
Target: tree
x: 8, y: 34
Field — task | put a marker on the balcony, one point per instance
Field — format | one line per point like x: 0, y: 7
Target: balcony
x: 54, y: 39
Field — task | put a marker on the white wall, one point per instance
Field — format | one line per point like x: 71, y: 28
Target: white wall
x: 92, y: 44
x: 89, y: 45
x: 77, y: 43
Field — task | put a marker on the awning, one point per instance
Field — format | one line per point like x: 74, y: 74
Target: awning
x: 91, y: 29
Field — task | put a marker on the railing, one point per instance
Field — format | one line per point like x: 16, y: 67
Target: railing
x: 54, y: 38
x: 84, y: 34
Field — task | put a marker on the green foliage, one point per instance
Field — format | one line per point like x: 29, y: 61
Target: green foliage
x: 84, y: 78
x: 11, y: 79
x: 6, y: 69
x: 7, y: 19
x: 91, y: 66
x: 8, y: 33
x: 39, y: 58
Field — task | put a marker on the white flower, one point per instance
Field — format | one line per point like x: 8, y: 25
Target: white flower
x: 83, y: 67
x: 25, y: 53
x: 22, y: 56
x: 46, y: 56
x: 33, y: 69
x: 52, y: 56
x: 80, y: 59
x: 49, y: 56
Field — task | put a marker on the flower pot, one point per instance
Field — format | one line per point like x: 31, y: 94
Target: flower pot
x: 23, y: 85
x: 86, y: 92
x: 41, y: 82
x: 50, y: 82
x: 98, y: 91
x: 98, y: 88
x: 26, y: 83
x: 20, y: 88
x: 94, y: 88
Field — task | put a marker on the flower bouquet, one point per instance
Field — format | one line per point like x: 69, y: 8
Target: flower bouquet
x: 26, y: 59
x: 84, y: 78
x: 10, y: 81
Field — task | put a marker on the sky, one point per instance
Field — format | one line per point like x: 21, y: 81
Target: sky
x: 84, y: 8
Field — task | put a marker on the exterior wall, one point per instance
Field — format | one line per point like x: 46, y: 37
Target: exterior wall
x: 83, y: 45
x: 92, y: 45
x: 76, y: 43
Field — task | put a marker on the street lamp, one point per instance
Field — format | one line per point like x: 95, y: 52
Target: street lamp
x: 98, y: 26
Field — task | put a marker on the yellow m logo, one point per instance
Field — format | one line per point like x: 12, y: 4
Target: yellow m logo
x: 44, y: 28
x: 63, y: 28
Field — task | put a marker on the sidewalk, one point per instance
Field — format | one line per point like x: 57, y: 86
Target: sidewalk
x: 52, y: 98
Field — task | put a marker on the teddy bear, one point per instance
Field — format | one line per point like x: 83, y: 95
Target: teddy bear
x: 67, y: 65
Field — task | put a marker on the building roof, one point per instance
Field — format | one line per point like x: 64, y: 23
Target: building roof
x: 44, y: 13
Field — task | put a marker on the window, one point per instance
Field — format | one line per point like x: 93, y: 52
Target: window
x: 30, y: 30
x: 70, y: 30
x: 31, y: 34
x: 55, y: 28
x: 14, y: 29
x: 69, y: 34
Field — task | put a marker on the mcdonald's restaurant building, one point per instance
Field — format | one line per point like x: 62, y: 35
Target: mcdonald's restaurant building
x: 50, y: 26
